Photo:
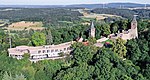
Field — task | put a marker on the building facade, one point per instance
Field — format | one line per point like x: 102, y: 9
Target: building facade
x: 40, y: 52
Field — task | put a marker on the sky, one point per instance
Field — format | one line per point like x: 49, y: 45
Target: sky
x: 65, y: 2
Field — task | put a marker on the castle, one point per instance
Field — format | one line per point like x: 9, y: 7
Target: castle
x: 129, y: 34
x: 52, y: 51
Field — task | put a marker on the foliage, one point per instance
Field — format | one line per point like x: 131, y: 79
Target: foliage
x: 49, y: 16
x: 102, y: 29
x: 85, y: 62
x: 92, y: 40
x: 119, y: 47
x: 38, y: 39
x: 114, y: 27
x: 6, y: 76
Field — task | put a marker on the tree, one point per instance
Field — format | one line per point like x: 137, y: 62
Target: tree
x: 2, y: 35
x: 119, y: 47
x: 7, y: 76
x: 133, y: 50
x: 83, y: 54
x: 29, y: 72
x: 92, y: 40
x: 49, y: 38
x: 142, y: 26
x: 114, y: 28
x: 124, y: 24
x: 40, y: 75
x: 38, y: 39
x: 20, y: 77
x: 105, y: 29
x: 109, y: 66
x: 76, y: 73
x: 146, y: 71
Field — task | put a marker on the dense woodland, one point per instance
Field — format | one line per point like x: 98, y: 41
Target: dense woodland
x: 49, y: 16
x: 120, y: 61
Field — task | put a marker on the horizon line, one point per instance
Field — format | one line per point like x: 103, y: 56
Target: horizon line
x: 68, y: 4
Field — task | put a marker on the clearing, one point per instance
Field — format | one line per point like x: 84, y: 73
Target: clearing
x: 88, y: 16
x: 25, y: 25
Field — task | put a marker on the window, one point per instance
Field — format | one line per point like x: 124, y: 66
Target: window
x: 56, y: 50
x: 39, y: 51
x: 68, y: 48
x: 52, y: 50
x: 43, y: 51
x: 64, y: 49
x: 48, y: 51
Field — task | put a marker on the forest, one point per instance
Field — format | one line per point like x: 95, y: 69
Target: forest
x: 128, y: 62
x: 122, y: 60
x: 49, y: 16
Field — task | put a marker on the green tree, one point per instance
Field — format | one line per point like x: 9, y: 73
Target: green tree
x: 142, y: 25
x: 7, y: 76
x: 38, y: 39
x: 49, y: 38
x: 133, y: 50
x: 29, y: 72
x: 146, y: 71
x: 124, y: 24
x: 114, y: 28
x: 20, y: 77
x: 105, y: 29
x: 92, y: 40
x: 119, y: 47
x: 83, y: 54
x: 102, y: 29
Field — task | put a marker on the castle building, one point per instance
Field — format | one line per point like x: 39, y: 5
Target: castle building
x: 92, y: 30
x: 132, y: 33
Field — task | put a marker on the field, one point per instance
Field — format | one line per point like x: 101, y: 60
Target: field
x: 88, y: 16
x: 98, y: 16
x: 23, y: 25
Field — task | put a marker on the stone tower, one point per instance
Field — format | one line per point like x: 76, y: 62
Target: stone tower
x: 134, y: 30
x: 92, y: 30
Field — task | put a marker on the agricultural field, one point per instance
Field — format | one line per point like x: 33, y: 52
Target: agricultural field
x: 98, y: 16
x: 23, y: 25
x: 88, y: 16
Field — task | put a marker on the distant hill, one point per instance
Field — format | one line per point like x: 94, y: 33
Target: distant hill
x: 109, y: 5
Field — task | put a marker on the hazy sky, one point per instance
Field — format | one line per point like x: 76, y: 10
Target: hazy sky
x: 64, y: 2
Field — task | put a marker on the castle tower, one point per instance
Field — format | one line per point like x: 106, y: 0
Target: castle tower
x: 134, y: 29
x: 92, y: 30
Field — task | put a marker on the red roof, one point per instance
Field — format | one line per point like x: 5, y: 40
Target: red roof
x: 107, y: 43
x: 85, y: 43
